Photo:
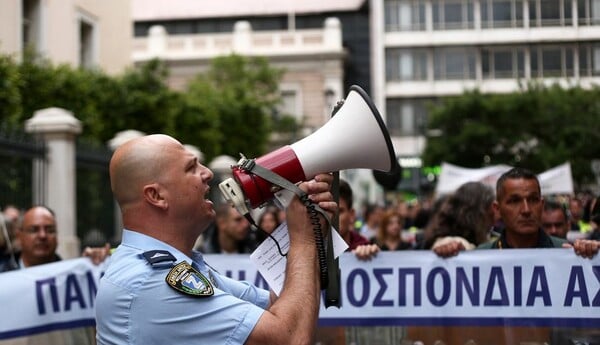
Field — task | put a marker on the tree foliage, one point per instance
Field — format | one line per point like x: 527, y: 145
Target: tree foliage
x: 537, y: 128
x: 238, y: 94
x: 224, y: 111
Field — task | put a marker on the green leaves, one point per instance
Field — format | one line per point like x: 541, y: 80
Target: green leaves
x: 538, y: 128
x: 227, y: 110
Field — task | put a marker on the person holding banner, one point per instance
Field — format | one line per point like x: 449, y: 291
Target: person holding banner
x: 157, y: 290
x: 37, y: 235
x: 465, y: 217
x: 520, y: 204
x: 357, y: 244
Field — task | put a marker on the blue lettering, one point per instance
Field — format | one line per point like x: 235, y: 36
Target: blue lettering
x: 539, y: 278
x: 73, y: 292
x: 39, y: 284
x: 577, y: 278
x: 402, y: 274
x: 518, y: 282
x: 596, y: 300
x: 379, y: 301
x: 92, y: 289
x: 462, y: 283
x: 229, y: 274
x: 366, y: 288
x: 496, y: 278
x: 445, y: 286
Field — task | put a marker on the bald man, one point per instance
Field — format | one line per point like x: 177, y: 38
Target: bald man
x: 158, y: 290
x: 37, y: 235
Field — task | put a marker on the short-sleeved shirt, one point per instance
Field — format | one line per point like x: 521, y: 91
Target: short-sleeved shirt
x: 135, y: 305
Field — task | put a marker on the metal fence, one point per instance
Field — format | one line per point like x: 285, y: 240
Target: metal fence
x: 21, y: 154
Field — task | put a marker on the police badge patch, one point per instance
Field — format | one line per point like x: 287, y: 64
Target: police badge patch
x: 186, y: 279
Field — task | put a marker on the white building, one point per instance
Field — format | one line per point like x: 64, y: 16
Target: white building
x: 81, y: 33
x: 188, y: 34
x: 323, y: 47
x: 426, y: 49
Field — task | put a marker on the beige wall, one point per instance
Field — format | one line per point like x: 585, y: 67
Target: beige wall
x: 10, y: 39
x: 59, y: 38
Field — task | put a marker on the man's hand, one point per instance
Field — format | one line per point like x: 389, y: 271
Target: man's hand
x: 584, y: 248
x: 97, y: 254
x: 318, y: 191
x: 366, y: 252
x: 449, y: 248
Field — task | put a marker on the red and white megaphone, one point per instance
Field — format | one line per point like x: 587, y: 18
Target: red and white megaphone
x: 355, y: 138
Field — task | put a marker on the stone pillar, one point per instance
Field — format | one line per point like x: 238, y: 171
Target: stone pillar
x: 157, y: 41
x: 333, y: 33
x: 242, y: 37
x: 59, y: 129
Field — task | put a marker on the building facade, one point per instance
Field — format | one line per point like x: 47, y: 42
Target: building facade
x: 81, y: 33
x: 323, y: 46
x: 428, y: 49
x: 310, y: 41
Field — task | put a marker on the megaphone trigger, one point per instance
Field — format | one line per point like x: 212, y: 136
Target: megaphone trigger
x: 234, y: 195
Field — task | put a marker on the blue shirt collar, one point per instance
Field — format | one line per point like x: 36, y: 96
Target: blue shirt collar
x: 144, y: 243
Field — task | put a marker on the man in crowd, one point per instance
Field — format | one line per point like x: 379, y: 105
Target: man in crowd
x: 158, y: 290
x: 359, y: 245
x: 37, y: 236
x: 230, y: 234
x: 555, y: 220
x: 520, y: 204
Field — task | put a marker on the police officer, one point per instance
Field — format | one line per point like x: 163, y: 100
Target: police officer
x: 157, y: 290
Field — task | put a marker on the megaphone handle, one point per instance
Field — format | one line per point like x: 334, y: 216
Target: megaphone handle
x: 333, y: 293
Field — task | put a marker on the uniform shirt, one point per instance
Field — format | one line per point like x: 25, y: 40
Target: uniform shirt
x: 135, y: 305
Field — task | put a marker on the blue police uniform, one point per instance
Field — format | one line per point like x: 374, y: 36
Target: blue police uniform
x: 135, y: 304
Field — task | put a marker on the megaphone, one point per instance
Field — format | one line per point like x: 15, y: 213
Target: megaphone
x: 356, y: 137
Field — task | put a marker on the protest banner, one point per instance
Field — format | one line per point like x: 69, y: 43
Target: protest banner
x: 481, y: 288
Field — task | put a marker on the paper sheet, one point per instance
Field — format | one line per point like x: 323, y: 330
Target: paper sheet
x: 271, y: 264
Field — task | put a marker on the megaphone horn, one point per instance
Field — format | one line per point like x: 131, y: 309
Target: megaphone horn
x: 355, y: 138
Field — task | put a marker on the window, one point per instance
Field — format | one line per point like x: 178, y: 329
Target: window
x: 501, y: 13
x: 454, y: 64
x: 588, y: 12
x: 550, y: 13
x: 406, y: 116
x: 404, y: 15
x: 406, y: 64
x: 453, y: 14
x: 589, y: 59
x: 499, y: 63
x: 86, y: 44
x: 31, y: 32
x: 290, y: 104
x: 552, y: 61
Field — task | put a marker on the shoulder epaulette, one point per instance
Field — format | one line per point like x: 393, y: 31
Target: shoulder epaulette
x: 159, y: 257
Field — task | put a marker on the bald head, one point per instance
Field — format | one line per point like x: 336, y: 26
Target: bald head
x: 136, y: 163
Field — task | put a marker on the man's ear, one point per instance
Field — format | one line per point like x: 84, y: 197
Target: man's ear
x: 153, y: 194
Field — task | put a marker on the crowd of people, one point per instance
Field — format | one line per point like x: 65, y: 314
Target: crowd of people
x: 474, y: 216
x: 169, y: 224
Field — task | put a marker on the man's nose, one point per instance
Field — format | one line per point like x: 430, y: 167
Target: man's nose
x: 525, y: 208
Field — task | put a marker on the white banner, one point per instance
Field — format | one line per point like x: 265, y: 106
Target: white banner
x: 557, y: 180
x: 536, y: 287
x: 476, y: 288
x: 50, y: 297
